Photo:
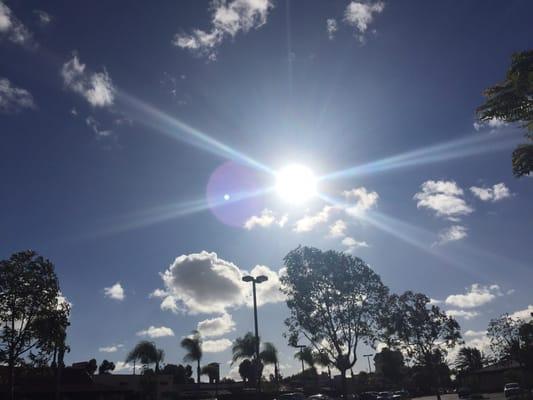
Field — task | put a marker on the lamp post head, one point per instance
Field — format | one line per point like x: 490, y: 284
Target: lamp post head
x: 261, y: 278
x: 248, y: 278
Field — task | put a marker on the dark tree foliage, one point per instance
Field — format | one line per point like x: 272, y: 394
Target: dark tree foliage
x: 92, y: 366
x: 33, y: 316
x: 422, y: 331
x: 469, y: 359
x: 269, y: 356
x: 146, y: 353
x: 335, y: 301
x: 512, y: 101
x: 106, y: 367
x: 390, y: 364
x: 246, y: 371
x: 511, y: 339
x: 179, y: 373
x: 212, y: 370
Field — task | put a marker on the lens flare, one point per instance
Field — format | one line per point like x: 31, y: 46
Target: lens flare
x: 295, y: 184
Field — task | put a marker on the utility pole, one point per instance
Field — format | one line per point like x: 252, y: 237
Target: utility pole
x: 368, y: 359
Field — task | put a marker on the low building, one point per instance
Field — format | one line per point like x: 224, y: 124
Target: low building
x: 492, y: 378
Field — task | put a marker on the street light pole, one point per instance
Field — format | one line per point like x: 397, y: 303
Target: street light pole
x: 256, y: 280
x: 301, y: 347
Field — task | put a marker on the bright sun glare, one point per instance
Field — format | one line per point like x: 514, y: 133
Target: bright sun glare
x: 295, y: 183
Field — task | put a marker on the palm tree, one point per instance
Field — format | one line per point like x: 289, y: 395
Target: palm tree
x: 269, y: 355
x: 193, y: 345
x: 469, y: 359
x: 244, y: 348
x: 146, y: 353
x: 306, y: 355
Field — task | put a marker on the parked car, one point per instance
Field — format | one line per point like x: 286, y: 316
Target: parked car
x: 511, y: 389
x: 319, y: 396
x: 291, y: 396
x: 401, y: 395
x: 385, y: 396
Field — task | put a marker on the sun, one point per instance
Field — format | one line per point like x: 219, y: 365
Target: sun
x: 296, y: 184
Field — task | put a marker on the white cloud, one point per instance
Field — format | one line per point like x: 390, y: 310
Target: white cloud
x: 115, y: 292
x: 156, y: 332
x: 477, y: 295
x: 12, y: 98
x: 365, y: 200
x: 96, y: 127
x: 338, y: 229
x: 353, y: 244
x: 443, y: 197
x: 97, y: 88
x: 331, y: 27
x: 523, y: 314
x: 462, y: 314
x: 204, y: 283
x: 217, y: 326
x: 452, y: 234
x: 44, y: 17
x: 110, y: 349
x: 497, y: 192
x: 434, y: 301
x: 121, y: 366
x: 308, y: 222
x: 216, y: 346
x: 228, y: 18
x: 493, y: 124
x: 471, y: 333
x: 360, y: 15
x: 265, y: 219
x: 12, y: 28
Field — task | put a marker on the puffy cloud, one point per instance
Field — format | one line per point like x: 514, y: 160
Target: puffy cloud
x: 12, y: 98
x: 156, y: 332
x: 121, y: 366
x: 331, y: 27
x: 452, y: 234
x: 110, y: 349
x: 523, y: 314
x: 353, y: 244
x: 338, y: 229
x: 217, y: 326
x: 462, y: 314
x: 115, y: 292
x: 308, y: 222
x: 97, y: 88
x: 12, y: 28
x: 496, y: 193
x: 204, y: 283
x: 228, y: 18
x: 443, y: 197
x: 364, y: 201
x: 476, y: 296
x: 265, y: 219
x: 216, y: 346
x: 360, y: 15
x: 269, y: 291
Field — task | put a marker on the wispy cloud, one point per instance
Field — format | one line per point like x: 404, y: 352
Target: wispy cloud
x: 495, y: 193
x: 331, y: 27
x: 265, y: 219
x: 11, y: 28
x: 452, y: 234
x: 216, y: 345
x: 228, y: 18
x: 156, y: 332
x: 12, y: 98
x: 360, y: 15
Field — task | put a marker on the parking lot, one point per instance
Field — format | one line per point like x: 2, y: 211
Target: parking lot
x: 488, y: 396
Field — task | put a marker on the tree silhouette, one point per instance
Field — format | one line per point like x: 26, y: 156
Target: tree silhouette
x: 322, y: 359
x: 244, y: 349
x: 193, y: 346
x: 212, y: 370
x: 106, y: 367
x: 512, y: 101
x: 146, y: 353
x: 29, y: 296
x: 306, y: 355
x: 269, y: 356
x: 247, y: 371
x: 335, y: 301
x: 469, y: 359
x: 422, y: 331
x: 511, y: 339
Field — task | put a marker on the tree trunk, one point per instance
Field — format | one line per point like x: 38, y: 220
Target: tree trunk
x: 11, y: 378
x: 344, y: 384
x: 198, y: 372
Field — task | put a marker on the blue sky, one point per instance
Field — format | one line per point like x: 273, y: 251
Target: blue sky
x: 123, y: 126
